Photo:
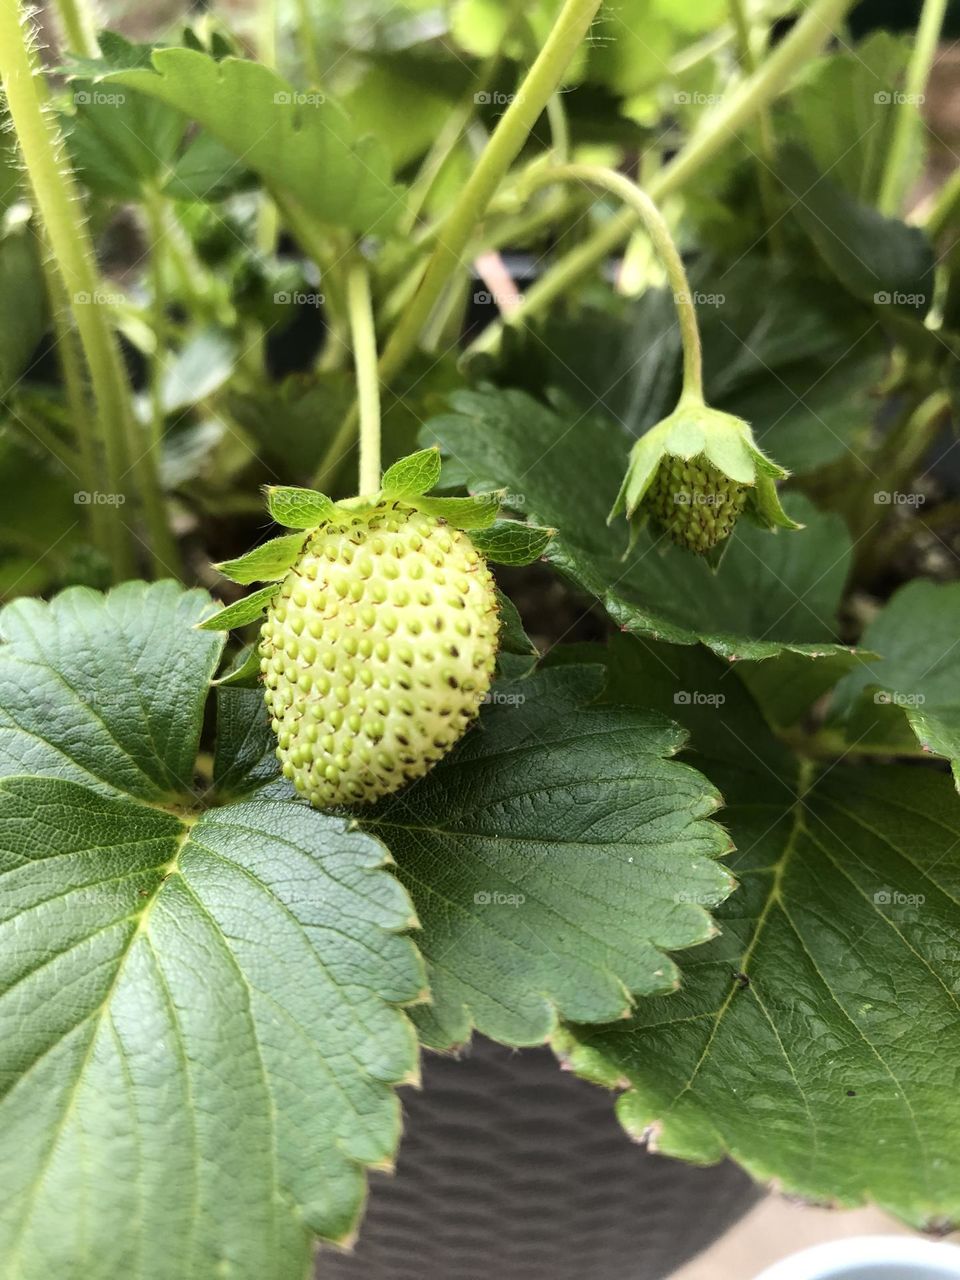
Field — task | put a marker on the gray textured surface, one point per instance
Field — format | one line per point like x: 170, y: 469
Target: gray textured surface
x: 511, y: 1169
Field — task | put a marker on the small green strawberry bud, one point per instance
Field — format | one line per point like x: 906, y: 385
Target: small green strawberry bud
x: 695, y: 473
x: 377, y: 651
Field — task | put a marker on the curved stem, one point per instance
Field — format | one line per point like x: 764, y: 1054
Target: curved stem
x: 808, y: 36
x: 569, y: 30
x: 899, y: 157
x: 658, y: 231
x: 364, y: 338
x: 748, y: 59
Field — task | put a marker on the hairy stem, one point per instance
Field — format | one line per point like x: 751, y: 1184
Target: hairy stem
x: 808, y: 36
x: 364, y: 339
x: 900, y: 156
x: 58, y: 202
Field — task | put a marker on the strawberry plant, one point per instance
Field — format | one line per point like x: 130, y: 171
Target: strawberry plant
x: 479, y: 551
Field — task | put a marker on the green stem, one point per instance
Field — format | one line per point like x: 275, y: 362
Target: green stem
x: 364, y: 339
x: 59, y: 205
x: 658, y: 231
x: 944, y: 208
x: 900, y: 156
x: 77, y: 27
x: 805, y: 39
x: 569, y: 30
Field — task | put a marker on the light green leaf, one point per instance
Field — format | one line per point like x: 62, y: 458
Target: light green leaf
x: 913, y: 690
x: 197, y: 1031
x: 199, y: 369
x: 240, y: 612
x: 815, y: 1040
x: 299, y: 508
x: 411, y: 476
x: 266, y: 563
x: 772, y: 592
x: 548, y: 858
x: 476, y: 512
x: 301, y: 145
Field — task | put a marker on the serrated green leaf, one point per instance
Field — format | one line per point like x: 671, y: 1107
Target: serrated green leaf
x: 548, y: 858
x: 813, y: 1041
x: 416, y: 474
x: 299, y: 508
x: 510, y: 542
x: 476, y: 512
x: 266, y: 563
x: 771, y: 592
x: 197, y: 1038
x: 240, y: 612
x: 120, y: 141
x: 301, y: 145
x: 911, y: 691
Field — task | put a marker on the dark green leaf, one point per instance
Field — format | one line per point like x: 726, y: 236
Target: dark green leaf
x: 879, y: 260
x: 772, y: 591
x: 197, y: 1031
x: 548, y: 858
x: 913, y: 690
x: 814, y: 1039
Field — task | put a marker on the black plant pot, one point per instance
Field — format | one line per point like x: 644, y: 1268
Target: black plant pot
x: 511, y: 1169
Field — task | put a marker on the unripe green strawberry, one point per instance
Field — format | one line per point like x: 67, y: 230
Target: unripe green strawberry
x: 377, y: 652
x: 694, y: 502
x: 695, y: 473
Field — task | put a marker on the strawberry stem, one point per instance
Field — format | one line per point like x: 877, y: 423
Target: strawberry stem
x: 667, y: 252
x: 808, y: 36
x: 364, y: 339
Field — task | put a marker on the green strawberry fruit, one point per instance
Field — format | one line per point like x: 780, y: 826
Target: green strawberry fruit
x: 377, y: 651
x: 694, y: 503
